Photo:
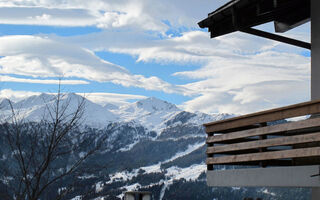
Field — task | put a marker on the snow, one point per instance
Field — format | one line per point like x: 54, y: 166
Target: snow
x: 99, y: 198
x: 189, y: 149
x: 132, y: 187
x: 175, y: 173
x: 156, y: 167
x: 82, y: 154
x: 122, y: 176
x: 99, y: 186
x: 128, y: 147
x: 3, y: 158
x: 152, y: 168
x: 172, y: 173
x: 6, y: 179
x: 77, y: 198
x: 266, y: 191
x: 86, y: 176
x: 183, y: 138
x: 150, y: 112
x: 190, y: 173
x: 110, y: 106
x: 163, y: 190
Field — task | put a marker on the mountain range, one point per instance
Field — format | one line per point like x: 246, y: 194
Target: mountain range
x: 150, y: 145
x: 151, y: 113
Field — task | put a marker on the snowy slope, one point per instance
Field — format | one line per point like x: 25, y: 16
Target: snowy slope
x: 150, y: 112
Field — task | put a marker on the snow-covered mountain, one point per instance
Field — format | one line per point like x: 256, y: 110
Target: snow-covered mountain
x: 152, y: 113
x: 38, y: 107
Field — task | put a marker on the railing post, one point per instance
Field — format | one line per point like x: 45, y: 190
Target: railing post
x: 262, y: 137
x: 210, y: 166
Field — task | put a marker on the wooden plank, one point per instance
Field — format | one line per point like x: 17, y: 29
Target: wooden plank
x: 257, y: 163
x: 239, y: 129
x: 281, y: 141
x: 296, y: 110
x: 309, y: 123
x: 293, y: 153
x: 234, y: 141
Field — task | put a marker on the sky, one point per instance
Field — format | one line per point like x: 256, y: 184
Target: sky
x: 120, y: 51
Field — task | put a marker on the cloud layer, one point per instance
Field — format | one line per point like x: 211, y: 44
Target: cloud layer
x: 99, y: 98
x: 238, y: 73
x: 137, y: 14
x: 39, y: 56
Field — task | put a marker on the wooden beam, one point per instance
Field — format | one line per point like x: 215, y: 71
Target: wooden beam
x: 293, y: 153
x: 311, y: 107
x: 281, y: 141
x: 309, y: 123
x: 278, y: 38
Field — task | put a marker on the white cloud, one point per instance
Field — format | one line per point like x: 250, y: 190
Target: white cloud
x: 192, y: 46
x: 41, y: 81
x: 16, y: 96
x: 240, y: 73
x: 46, y: 16
x: 232, y: 66
x: 113, y: 98
x: 137, y: 14
x: 96, y: 97
x: 38, y: 56
x: 250, y: 98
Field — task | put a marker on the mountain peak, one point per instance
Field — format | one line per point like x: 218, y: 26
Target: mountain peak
x: 72, y: 95
x: 4, y: 103
x: 34, y: 100
x: 155, y: 104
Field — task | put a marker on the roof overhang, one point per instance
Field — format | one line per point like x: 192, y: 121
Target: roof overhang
x: 242, y: 15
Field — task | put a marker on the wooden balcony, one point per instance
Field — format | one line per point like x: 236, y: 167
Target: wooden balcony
x: 260, y: 140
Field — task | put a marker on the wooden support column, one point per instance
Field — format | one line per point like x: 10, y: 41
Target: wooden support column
x: 315, y: 50
x: 315, y: 65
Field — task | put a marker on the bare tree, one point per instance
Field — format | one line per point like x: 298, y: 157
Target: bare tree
x: 38, y: 149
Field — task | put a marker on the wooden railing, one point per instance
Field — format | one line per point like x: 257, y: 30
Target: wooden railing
x: 259, y: 139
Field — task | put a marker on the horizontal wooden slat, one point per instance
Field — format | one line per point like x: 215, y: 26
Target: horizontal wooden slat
x: 296, y: 110
x: 257, y: 163
x: 235, y: 141
x: 281, y: 141
x: 309, y: 123
x: 236, y: 152
x: 293, y: 153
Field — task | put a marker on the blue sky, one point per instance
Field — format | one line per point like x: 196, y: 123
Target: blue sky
x: 120, y: 51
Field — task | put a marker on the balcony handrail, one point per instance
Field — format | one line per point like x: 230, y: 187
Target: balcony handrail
x: 251, y: 140
x: 296, y: 110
